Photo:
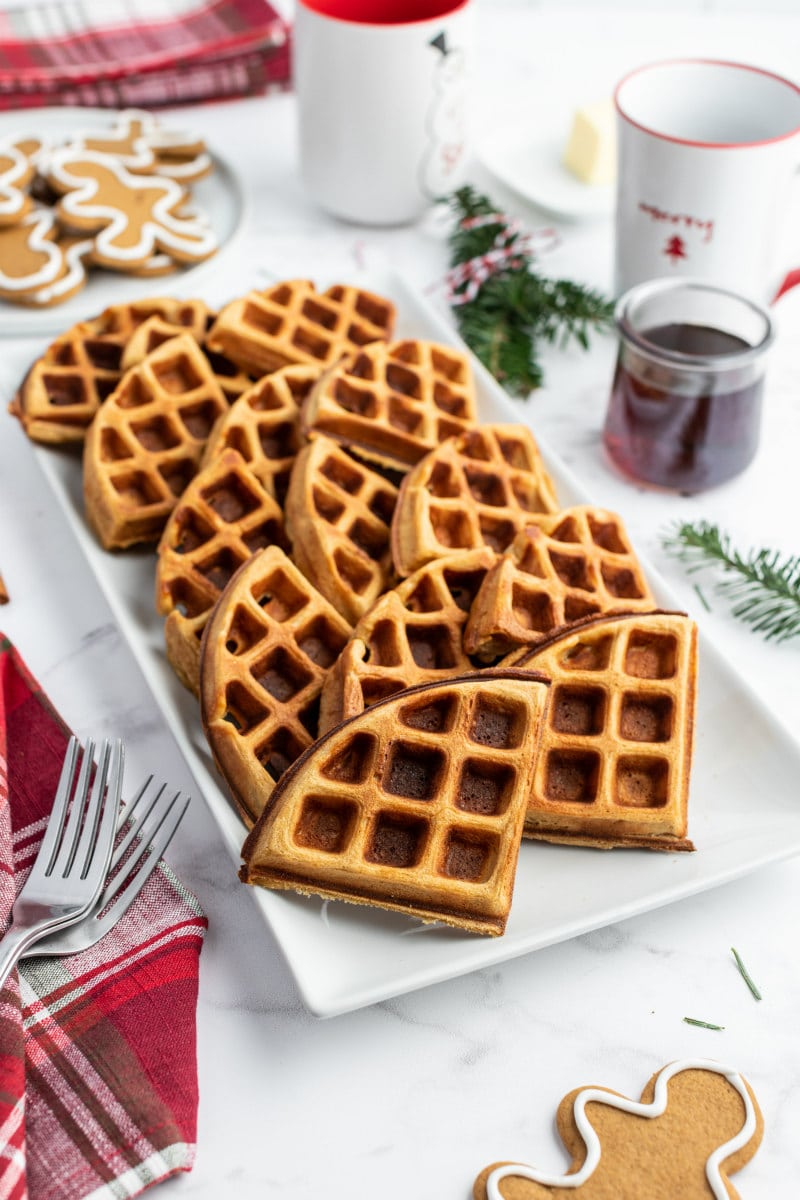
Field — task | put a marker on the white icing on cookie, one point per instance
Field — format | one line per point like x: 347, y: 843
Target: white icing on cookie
x: 15, y: 170
x: 655, y: 1108
x: 189, y: 168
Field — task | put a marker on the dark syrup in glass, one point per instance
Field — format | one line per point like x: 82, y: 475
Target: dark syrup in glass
x: 677, y: 436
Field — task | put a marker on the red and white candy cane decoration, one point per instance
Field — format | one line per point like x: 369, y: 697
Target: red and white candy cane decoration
x: 512, y: 248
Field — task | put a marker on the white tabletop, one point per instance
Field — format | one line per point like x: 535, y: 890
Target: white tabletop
x: 413, y: 1096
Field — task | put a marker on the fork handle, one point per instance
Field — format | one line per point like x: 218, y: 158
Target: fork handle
x: 16, y: 940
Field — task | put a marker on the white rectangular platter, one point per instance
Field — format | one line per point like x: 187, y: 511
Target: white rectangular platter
x: 744, y: 808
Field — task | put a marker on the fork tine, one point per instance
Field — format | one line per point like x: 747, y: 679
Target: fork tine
x: 90, y: 812
x: 126, y: 812
x: 101, y: 845
x: 146, y: 837
x: 135, y: 827
x: 55, y: 825
x: 62, y: 860
x: 156, y: 844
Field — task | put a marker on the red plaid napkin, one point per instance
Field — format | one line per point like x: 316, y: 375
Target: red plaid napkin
x: 142, y: 53
x: 98, y: 1076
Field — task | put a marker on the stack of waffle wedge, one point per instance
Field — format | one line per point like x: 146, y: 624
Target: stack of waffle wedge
x: 408, y: 656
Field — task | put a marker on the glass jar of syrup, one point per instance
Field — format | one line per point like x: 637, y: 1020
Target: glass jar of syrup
x: 685, y: 407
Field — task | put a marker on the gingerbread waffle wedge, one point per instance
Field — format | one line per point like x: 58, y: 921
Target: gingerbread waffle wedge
x: 477, y: 489
x: 155, y: 330
x: 292, y: 322
x: 222, y: 519
x: 338, y: 514
x: 616, y: 750
x: 416, y: 805
x: 573, y: 564
x: 411, y: 635
x: 264, y: 426
x: 63, y: 389
x: 394, y: 402
x: 145, y: 443
x: 266, y: 649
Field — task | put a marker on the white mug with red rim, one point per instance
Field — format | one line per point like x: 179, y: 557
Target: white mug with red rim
x: 381, y: 101
x: 707, y: 155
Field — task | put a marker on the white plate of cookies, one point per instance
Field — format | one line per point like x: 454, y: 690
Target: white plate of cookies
x: 430, y: 694
x: 99, y: 206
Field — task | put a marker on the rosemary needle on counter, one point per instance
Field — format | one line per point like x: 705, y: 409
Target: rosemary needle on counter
x: 702, y: 1024
x: 745, y: 973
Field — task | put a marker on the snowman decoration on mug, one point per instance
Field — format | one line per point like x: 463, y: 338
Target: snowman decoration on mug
x: 445, y: 121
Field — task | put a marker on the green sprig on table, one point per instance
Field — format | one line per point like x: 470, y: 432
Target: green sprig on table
x: 745, y: 974
x: 763, y: 586
x: 516, y: 309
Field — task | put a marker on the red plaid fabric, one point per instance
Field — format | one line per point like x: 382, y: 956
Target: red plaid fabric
x: 120, y: 53
x: 98, y: 1076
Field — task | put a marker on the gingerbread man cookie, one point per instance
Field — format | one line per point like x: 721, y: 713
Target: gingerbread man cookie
x: 127, y: 140
x: 697, y: 1123
x: 140, y: 143
x: 133, y: 216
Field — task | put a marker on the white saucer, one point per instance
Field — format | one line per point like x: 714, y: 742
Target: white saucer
x: 220, y: 195
x: 530, y: 163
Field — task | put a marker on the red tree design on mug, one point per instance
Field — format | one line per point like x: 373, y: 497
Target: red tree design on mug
x: 675, y: 249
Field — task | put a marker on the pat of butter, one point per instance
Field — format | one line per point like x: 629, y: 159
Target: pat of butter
x: 591, y: 152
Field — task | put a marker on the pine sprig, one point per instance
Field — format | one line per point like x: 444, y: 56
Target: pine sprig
x: 762, y: 586
x: 516, y: 308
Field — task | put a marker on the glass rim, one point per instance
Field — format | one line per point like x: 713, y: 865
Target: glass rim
x: 656, y: 287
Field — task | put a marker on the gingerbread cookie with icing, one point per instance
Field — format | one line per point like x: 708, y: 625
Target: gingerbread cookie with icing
x: 140, y: 143
x: 126, y: 140
x: 696, y: 1124
x: 132, y: 216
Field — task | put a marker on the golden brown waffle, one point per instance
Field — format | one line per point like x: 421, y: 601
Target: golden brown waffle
x: 222, y: 519
x: 338, y: 514
x: 145, y: 444
x: 411, y: 635
x: 267, y: 647
x: 292, y: 322
x: 478, y: 489
x: 64, y: 388
x: 613, y: 768
x: 574, y: 564
x: 392, y: 403
x: 264, y: 426
x: 155, y: 330
x: 416, y: 805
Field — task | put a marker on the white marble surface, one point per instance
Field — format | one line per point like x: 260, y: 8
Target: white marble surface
x: 414, y: 1096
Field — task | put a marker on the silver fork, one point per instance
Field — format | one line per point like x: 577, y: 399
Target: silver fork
x: 152, y: 820
x: 73, y: 858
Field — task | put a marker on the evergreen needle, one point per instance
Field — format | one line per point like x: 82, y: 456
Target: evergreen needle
x: 703, y: 1024
x: 702, y: 598
x: 515, y: 308
x: 745, y: 974
x: 763, y: 588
